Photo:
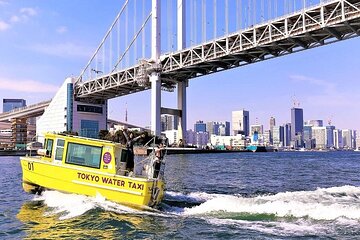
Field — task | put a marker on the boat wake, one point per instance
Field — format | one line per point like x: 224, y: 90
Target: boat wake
x: 321, y: 204
x: 302, y: 212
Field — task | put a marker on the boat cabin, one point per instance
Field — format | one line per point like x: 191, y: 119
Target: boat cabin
x: 106, y: 156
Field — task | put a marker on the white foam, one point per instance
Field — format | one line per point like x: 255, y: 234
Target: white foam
x: 73, y: 205
x: 298, y: 228
x: 68, y: 205
x: 191, y: 197
x: 321, y: 204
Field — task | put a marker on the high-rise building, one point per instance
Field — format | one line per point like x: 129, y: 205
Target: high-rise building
x: 19, y: 133
x: 315, y: 123
x: 297, y: 123
x: 200, y: 126
x: 287, y: 134
x: 319, y: 135
x: 307, y: 136
x: 169, y: 122
x: 337, y: 135
x: 218, y: 128
x: 278, y: 136
x: 240, y: 122
x: 224, y: 128
x: 347, y: 137
x: 330, y: 136
x: 272, y: 123
x: 10, y: 104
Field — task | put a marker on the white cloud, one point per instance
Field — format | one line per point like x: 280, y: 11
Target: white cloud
x: 328, y: 93
x: 25, y: 14
x: 30, y: 86
x: 4, y: 26
x: 63, y: 50
x: 15, y: 19
x: 61, y: 29
x: 3, y: 2
x: 28, y: 11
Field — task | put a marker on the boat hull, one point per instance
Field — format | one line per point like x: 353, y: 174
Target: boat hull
x: 133, y: 191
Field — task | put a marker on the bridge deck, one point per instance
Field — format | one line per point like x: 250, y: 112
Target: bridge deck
x: 316, y: 26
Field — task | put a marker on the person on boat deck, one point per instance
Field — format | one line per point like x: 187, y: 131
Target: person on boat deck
x: 158, y: 158
x: 130, y: 140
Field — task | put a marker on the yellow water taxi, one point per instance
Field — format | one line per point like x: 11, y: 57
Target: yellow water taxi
x: 94, y: 167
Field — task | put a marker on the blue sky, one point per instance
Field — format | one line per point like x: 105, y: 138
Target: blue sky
x: 43, y: 42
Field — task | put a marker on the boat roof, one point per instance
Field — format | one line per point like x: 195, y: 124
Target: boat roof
x: 70, y: 136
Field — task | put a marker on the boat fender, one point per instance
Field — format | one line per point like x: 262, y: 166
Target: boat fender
x: 43, y: 152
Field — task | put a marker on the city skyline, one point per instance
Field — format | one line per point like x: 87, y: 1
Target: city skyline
x: 42, y: 44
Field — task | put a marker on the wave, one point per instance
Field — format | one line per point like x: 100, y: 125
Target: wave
x: 337, y: 203
x: 321, y: 204
x: 72, y: 205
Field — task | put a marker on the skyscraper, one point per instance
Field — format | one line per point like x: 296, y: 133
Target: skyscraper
x: 319, y: 135
x: 287, y: 134
x: 10, y: 104
x: 200, y: 126
x: 337, y: 135
x: 272, y: 122
x: 330, y: 136
x: 240, y: 122
x: 278, y: 136
x: 307, y: 136
x: 297, y: 123
x: 169, y: 122
x: 347, y: 137
x: 272, y: 125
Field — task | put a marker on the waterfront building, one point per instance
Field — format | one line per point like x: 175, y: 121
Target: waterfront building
x: 266, y: 137
x: 337, y: 136
x: 330, y: 136
x: 19, y: 133
x: 218, y: 128
x: 272, y: 125
x: 307, y: 136
x: 11, y: 104
x: 315, y: 123
x: 234, y: 142
x: 224, y: 128
x: 240, y: 122
x: 256, y: 128
x: 297, y: 123
x: 319, y: 136
x: 278, y: 136
x: 66, y: 114
x: 200, y: 126
x: 287, y: 134
x: 172, y: 136
x: 357, y: 142
x: 5, y: 135
x: 347, y: 137
x: 169, y: 122
x: 199, y: 139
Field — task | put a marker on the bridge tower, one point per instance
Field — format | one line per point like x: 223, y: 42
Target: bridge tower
x: 155, y: 78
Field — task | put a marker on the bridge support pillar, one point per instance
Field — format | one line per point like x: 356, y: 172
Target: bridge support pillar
x: 181, y: 88
x: 155, y: 103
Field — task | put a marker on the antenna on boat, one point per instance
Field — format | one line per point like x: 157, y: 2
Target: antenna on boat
x: 126, y: 113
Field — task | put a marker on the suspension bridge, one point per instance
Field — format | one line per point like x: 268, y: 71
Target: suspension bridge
x: 161, y: 45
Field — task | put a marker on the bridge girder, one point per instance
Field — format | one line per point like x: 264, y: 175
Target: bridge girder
x: 316, y: 26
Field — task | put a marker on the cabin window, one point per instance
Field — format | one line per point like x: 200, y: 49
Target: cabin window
x: 49, y: 145
x: 83, y: 155
x: 59, y: 149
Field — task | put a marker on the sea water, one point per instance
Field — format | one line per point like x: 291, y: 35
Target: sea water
x: 284, y: 195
